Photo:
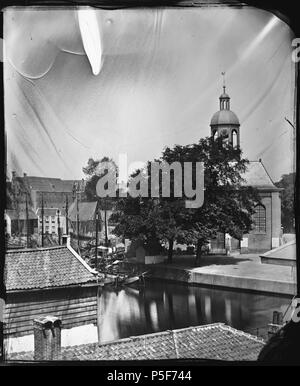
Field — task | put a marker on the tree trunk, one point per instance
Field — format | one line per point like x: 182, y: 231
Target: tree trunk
x: 170, y: 250
x: 198, y: 251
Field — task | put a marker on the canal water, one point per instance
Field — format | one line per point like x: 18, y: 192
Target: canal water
x: 163, y: 305
x: 112, y: 314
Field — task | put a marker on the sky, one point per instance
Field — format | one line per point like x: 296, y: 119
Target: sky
x: 159, y: 84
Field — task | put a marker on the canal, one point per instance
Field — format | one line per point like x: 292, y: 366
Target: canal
x: 109, y: 314
x: 162, y: 305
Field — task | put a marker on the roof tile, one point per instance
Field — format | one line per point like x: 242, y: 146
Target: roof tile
x: 214, y: 341
x: 44, y: 268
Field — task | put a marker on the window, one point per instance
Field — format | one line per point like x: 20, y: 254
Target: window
x: 259, y: 219
x: 234, y: 138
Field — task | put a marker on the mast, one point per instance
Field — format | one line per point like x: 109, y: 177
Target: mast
x: 96, y: 251
x: 42, y: 220
x: 105, y: 224
x: 77, y: 209
x: 67, y: 215
x: 27, y: 222
x: 58, y: 227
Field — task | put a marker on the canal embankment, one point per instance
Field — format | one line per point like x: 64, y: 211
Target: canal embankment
x: 244, y: 272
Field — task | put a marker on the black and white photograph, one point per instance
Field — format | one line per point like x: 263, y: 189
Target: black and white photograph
x: 149, y: 186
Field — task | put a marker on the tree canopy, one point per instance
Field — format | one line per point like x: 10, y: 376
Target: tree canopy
x: 228, y: 204
x: 287, y: 182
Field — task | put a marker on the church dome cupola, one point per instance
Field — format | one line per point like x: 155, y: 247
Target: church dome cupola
x: 225, y: 122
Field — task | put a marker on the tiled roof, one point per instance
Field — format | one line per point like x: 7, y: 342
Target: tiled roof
x: 213, y: 341
x: 44, y: 268
x: 257, y: 176
x: 49, y: 212
x: 45, y: 184
x: 86, y: 211
x: 21, y: 215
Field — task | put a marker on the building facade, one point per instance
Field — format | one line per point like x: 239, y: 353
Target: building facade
x: 266, y: 231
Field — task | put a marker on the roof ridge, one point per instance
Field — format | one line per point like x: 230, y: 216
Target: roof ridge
x: 266, y: 171
x: 80, y: 259
x: 240, y: 332
x: 35, y: 249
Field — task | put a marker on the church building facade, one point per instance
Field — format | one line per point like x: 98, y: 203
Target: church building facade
x: 266, y: 232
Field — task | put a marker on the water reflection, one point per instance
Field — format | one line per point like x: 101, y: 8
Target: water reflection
x: 160, y: 306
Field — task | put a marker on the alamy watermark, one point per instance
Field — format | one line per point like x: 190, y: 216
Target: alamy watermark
x: 295, y: 315
x: 296, y: 51
x: 159, y: 174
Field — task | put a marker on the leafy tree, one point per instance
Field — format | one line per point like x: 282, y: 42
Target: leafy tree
x: 228, y: 204
x: 94, y: 170
x: 287, y: 182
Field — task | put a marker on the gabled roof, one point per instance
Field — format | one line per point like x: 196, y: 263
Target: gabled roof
x: 45, y: 184
x: 43, y: 268
x: 213, y: 341
x: 87, y: 211
x: 258, y: 177
x: 21, y: 214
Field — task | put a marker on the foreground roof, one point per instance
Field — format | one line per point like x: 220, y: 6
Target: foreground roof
x: 42, y: 268
x: 213, y: 341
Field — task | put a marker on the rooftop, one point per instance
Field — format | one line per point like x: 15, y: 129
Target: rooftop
x: 50, y: 212
x: 224, y: 117
x: 257, y: 176
x: 87, y: 211
x: 45, y: 268
x: 213, y: 341
x: 46, y: 184
x: 283, y: 255
x: 21, y: 214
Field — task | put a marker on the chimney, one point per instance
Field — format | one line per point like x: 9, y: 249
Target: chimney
x: 66, y: 240
x: 47, y: 338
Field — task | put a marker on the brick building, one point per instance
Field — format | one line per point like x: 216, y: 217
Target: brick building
x: 56, y: 195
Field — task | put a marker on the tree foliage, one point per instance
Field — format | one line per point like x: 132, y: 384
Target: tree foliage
x: 228, y: 203
x: 287, y: 182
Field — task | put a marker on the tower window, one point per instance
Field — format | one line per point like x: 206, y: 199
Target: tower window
x: 259, y: 219
x: 234, y: 138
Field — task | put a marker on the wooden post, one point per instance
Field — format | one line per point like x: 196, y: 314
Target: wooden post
x: 99, y: 293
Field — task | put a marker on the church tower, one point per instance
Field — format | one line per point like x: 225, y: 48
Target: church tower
x: 225, y: 122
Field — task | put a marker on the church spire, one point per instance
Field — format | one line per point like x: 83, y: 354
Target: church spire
x: 224, y: 98
x: 224, y: 83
